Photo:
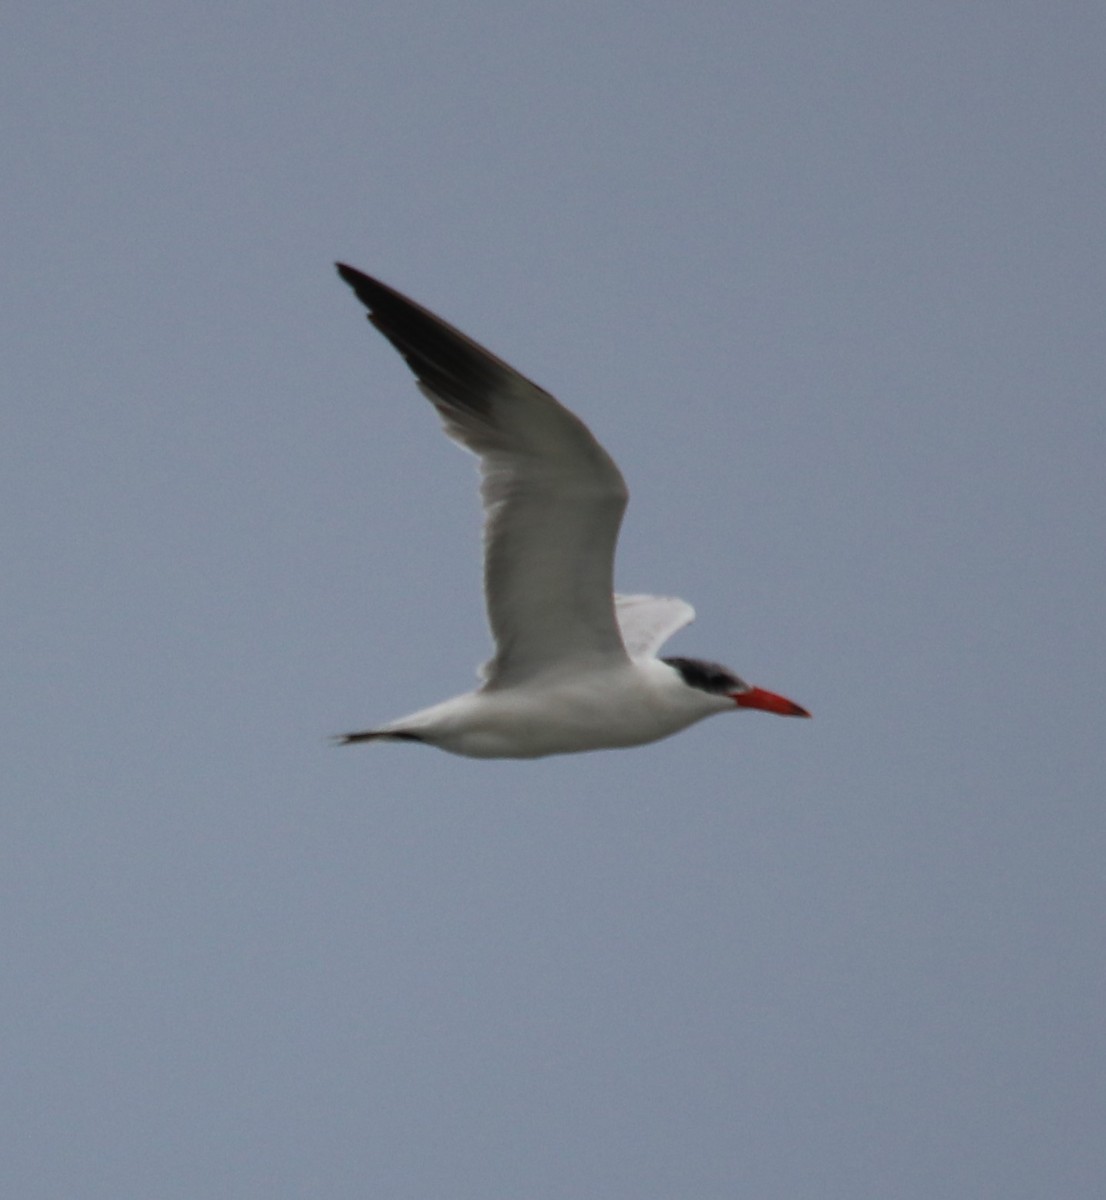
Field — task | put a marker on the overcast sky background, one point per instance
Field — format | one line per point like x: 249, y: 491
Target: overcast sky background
x: 827, y: 281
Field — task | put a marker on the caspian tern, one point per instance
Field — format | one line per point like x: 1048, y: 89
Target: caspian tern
x: 575, y: 666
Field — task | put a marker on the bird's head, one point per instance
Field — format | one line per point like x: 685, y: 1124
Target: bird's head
x: 717, y: 680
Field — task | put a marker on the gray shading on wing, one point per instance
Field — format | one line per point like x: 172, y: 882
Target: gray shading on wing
x: 647, y: 622
x: 553, y: 498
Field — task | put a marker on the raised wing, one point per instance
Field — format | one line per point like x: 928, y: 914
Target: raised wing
x: 647, y: 622
x: 553, y: 498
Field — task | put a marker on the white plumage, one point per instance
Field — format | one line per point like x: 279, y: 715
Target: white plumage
x: 574, y: 666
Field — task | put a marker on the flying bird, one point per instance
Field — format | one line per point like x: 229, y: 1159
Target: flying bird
x: 575, y: 666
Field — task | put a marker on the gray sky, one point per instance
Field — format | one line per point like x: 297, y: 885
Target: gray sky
x: 827, y: 281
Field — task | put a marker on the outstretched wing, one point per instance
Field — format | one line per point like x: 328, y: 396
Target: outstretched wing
x: 553, y: 498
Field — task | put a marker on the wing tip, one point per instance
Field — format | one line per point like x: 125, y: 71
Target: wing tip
x: 367, y: 289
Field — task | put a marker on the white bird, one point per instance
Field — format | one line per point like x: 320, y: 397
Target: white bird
x: 575, y: 666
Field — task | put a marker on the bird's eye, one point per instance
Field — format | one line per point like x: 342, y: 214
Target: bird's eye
x: 707, y: 676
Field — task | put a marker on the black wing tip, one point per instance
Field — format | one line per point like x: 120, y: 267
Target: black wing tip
x: 350, y: 274
x: 368, y: 290
x: 385, y: 305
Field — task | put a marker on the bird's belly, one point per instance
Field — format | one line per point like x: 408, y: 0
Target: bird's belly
x: 561, y: 720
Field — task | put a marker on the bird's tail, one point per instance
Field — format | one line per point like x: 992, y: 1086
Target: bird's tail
x: 372, y: 735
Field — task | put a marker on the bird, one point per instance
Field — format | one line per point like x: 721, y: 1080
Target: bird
x: 575, y: 666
